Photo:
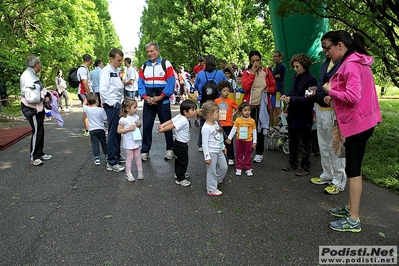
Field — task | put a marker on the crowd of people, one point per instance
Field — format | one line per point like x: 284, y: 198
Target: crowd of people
x: 231, y: 102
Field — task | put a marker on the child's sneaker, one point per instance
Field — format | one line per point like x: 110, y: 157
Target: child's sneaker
x: 183, y: 183
x: 230, y: 162
x: 238, y: 171
x: 215, y: 193
x: 140, y: 175
x: 130, y: 177
x: 342, y: 212
x: 346, y: 225
x: 97, y: 161
x: 249, y: 172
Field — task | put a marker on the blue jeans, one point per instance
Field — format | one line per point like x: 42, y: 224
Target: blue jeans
x: 114, y: 139
x: 130, y: 94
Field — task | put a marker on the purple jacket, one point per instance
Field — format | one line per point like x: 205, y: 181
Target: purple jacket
x: 354, y: 95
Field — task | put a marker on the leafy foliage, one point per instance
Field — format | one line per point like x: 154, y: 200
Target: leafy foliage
x: 186, y: 29
x: 59, y: 32
x: 377, y: 20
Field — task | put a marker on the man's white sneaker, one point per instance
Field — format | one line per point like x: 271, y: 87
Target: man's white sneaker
x: 47, y: 157
x: 130, y: 177
x: 186, y: 175
x: 115, y: 168
x: 249, y: 173
x: 200, y: 149
x: 145, y: 156
x: 37, y: 162
x: 183, y: 183
x: 238, y: 172
x: 258, y: 158
x: 230, y: 162
x: 169, y: 155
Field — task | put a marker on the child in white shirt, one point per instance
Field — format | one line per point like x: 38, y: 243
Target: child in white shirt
x: 96, y: 117
x: 129, y: 126
x: 181, y: 124
x: 213, y: 148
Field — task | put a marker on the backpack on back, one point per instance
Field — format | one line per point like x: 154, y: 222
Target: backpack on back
x: 209, y: 90
x: 73, y: 77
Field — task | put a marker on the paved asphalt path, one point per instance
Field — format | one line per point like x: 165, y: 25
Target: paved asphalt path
x: 72, y: 212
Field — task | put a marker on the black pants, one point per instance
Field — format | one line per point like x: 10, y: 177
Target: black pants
x: 36, y: 120
x: 149, y: 114
x: 260, y: 146
x: 97, y: 137
x: 180, y: 150
x: 300, y: 139
x: 229, y: 147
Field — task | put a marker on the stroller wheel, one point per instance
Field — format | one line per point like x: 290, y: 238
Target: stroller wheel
x: 286, y: 148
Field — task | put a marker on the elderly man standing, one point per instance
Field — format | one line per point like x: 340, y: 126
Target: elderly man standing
x: 34, y: 110
x: 156, y: 85
x: 111, y: 92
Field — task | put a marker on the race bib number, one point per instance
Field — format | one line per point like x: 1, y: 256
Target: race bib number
x: 243, y: 134
x: 222, y: 114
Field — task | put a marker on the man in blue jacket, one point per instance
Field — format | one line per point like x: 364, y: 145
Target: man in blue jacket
x: 156, y: 85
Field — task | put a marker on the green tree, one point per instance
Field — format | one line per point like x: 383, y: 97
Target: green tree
x: 228, y: 29
x: 377, y: 20
x: 59, y: 32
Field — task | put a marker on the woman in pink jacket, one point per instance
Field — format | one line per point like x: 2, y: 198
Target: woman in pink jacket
x: 353, y: 94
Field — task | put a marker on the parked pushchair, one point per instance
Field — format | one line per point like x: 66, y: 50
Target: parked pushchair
x: 278, y: 138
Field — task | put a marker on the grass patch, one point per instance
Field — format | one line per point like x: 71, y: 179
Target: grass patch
x: 381, y: 161
x: 13, y: 108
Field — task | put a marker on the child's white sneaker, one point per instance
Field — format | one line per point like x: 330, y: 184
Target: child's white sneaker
x: 249, y: 172
x: 140, y: 175
x: 130, y: 177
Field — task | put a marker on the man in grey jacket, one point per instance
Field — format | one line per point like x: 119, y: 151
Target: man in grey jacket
x: 34, y: 112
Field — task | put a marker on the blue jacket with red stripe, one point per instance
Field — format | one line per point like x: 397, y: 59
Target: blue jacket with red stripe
x: 154, y: 81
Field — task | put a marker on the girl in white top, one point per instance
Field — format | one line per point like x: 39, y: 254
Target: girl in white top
x: 213, y: 148
x: 129, y: 126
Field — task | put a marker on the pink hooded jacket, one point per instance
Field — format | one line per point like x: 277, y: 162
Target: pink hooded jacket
x: 354, y: 95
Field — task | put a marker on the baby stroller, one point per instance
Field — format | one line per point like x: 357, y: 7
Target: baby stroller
x: 279, y: 137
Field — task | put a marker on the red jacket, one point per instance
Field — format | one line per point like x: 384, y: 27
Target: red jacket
x: 248, y: 79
